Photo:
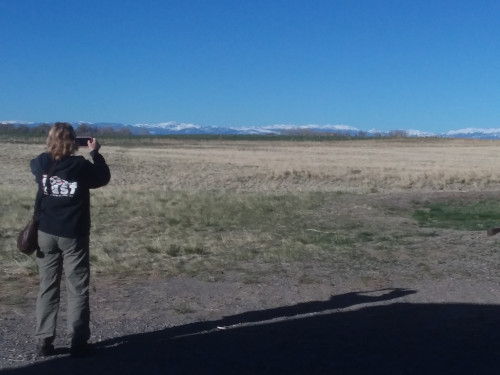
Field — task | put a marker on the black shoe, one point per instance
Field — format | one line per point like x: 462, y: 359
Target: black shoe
x: 45, y: 349
x: 81, y: 349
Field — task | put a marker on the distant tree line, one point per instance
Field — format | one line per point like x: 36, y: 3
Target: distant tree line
x: 43, y: 130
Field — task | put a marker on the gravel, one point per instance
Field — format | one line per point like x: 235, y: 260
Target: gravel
x: 187, y: 325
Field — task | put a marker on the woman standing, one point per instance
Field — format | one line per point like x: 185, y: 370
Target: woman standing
x: 64, y: 181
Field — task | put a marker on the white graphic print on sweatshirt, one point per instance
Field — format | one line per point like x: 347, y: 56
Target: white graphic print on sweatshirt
x: 59, y: 187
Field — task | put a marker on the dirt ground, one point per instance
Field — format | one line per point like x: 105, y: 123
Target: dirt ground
x: 433, y: 309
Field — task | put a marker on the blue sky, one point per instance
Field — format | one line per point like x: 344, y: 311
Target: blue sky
x: 431, y: 65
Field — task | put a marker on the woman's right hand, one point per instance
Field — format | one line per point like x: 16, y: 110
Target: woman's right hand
x: 93, y: 145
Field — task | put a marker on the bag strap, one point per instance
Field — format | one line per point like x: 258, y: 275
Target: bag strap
x: 40, y: 194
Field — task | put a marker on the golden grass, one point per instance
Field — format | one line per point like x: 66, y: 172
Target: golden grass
x: 355, y: 166
x: 267, y: 166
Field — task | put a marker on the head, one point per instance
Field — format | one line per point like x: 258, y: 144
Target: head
x: 61, y: 140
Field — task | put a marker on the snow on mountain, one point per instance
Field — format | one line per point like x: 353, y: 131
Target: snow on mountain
x: 419, y: 133
x: 183, y: 128
x: 477, y: 133
x: 15, y: 122
x: 311, y: 126
x: 172, y: 125
x: 469, y: 131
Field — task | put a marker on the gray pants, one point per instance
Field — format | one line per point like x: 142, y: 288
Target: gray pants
x: 72, y: 255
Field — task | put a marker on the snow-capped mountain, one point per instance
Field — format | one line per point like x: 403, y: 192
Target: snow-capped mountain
x: 172, y: 127
x: 476, y: 133
x: 279, y: 129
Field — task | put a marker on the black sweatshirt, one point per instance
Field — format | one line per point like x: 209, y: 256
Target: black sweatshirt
x: 65, y: 205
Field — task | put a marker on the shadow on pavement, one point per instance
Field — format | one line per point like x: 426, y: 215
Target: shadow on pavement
x: 309, y: 338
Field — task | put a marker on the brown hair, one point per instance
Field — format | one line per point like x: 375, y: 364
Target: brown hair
x: 61, y: 140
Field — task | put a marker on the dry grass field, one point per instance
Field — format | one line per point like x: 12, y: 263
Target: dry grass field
x: 200, y: 207
x: 361, y: 166
x: 347, y: 166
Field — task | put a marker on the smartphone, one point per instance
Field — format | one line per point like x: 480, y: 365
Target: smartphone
x: 82, y: 141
